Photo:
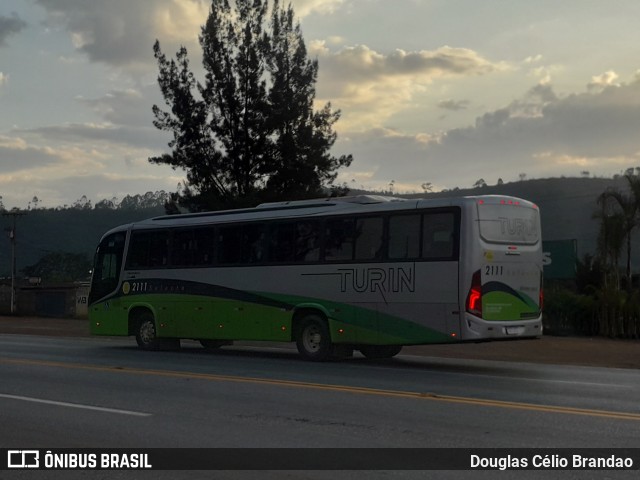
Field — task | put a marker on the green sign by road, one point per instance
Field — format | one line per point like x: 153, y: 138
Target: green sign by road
x: 560, y: 258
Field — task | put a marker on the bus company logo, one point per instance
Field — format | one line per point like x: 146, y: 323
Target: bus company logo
x: 518, y: 226
x: 376, y: 279
x: 23, y: 459
x: 126, y: 288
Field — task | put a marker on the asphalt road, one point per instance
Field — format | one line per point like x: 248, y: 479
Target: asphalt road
x: 103, y: 392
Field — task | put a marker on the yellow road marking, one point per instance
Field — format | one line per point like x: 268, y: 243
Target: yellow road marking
x: 336, y: 388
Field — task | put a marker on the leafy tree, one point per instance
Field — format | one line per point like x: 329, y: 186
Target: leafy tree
x: 619, y: 219
x: 83, y: 203
x: 148, y: 200
x: 106, y: 204
x: 610, y: 239
x: 33, y: 204
x: 427, y: 187
x: 589, y: 274
x: 249, y: 132
x: 303, y: 137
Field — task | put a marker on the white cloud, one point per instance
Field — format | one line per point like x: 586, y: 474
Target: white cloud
x: 371, y: 86
x: 121, y: 32
x: 551, y: 160
x: 453, y: 105
x: 542, y: 134
x: 533, y: 59
x: 103, y: 135
x: 595, y: 129
x: 382, y: 155
x: 128, y: 106
x: 18, y: 155
x: 606, y: 79
x: 58, y: 166
x: 363, y: 62
x: 304, y: 8
x: 4, y: 79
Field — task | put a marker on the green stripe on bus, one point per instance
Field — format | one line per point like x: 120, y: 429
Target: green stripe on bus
x: 259, y: 316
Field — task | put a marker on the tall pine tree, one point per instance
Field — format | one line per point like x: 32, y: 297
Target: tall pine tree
x: 249, y: 133
x: 302, y: 137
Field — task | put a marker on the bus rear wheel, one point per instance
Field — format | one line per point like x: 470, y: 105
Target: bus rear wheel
x: 313, y: 338
x: 380, y: 351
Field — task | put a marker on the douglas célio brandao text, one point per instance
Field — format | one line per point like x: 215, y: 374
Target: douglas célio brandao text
x: 555, y: 461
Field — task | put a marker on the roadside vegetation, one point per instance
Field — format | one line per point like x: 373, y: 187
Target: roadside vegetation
x: 604, y: 299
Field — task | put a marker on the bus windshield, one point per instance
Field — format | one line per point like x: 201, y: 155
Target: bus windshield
x: 107, y: 264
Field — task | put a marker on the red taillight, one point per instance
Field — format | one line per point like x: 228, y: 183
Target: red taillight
x: 474, y: 298
x: 541, y: 299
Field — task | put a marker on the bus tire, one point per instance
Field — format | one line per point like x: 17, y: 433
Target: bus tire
x: 380, y: 351
x: 313, y: 338
x: 146, y: 332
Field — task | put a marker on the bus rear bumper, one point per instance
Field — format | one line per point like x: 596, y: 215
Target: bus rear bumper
x: 475, y: 328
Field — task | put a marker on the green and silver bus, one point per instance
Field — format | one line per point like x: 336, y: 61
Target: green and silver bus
x: 367, y: 273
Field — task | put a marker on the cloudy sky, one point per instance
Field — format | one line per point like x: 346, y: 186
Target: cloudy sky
x: 439, y: 91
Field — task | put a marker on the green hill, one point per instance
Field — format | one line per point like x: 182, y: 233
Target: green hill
x: 40, y: 232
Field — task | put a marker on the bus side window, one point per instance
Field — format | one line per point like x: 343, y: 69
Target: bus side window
x: 241, y: 244
x: 138, y: 256
x: 281, y: 242
x: 230, y: 245
x: 368, y: 239
x: 253, y: 243
x: 438, y: 236
x: 159, y: 249
x: 204, y: 242
x: 149, y: 249
x: 183, y: 248
x: 404, y: 237
x: 307, y: 247
x: 339, y: 235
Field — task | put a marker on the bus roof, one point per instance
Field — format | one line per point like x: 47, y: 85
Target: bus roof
x: 315, y: 207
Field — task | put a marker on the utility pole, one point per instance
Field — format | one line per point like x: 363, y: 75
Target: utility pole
x: 12, y: 237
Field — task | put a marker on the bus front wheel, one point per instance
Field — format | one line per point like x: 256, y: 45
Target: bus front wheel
x: 313, y: 338
x: 146, y: 332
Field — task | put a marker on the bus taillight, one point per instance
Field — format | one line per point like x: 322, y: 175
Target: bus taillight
x: 474, y: 298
